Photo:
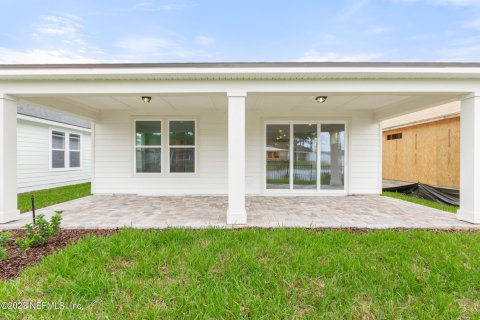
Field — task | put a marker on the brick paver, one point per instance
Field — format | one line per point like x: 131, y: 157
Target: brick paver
x: 366, y: 211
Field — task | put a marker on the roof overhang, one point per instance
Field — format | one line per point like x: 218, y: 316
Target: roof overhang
x: 242, y: 71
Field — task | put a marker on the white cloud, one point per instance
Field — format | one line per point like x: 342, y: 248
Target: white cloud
x: 153, y: 46
x: 29, y: 56
x: 473, y: 24
x: 204, y: 40
x: 152, y: 6
x: 352, y: 8
x: 445, y: 2
x: 56, y: 39
x: 64, y: 28
x: 314, y: 55
x: 378, y: 30
x: 466, y: 49
x: 328, y: 37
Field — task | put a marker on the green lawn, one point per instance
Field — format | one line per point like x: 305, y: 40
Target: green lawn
x: 48, y: 197
x: 421, y: 201
x: 258, y: 274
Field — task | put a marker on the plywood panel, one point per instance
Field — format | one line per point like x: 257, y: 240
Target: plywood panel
x: 427, y: 153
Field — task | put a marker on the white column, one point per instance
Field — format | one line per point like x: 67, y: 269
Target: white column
x: 470, y: 160
x: 236, y: 213
x: 93, y: 160
x: 8, y: 159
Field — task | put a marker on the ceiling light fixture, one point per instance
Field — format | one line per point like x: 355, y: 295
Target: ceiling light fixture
x: 146, y: 99
x: 321, y: 99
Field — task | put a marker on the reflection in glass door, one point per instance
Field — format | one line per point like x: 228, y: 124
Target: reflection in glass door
x: 332, y: 158
x: 305, y: 156
x: 278, y: 156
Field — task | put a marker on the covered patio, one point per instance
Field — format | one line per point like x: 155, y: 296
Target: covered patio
x: 266, y: 130
x: 366, y: 211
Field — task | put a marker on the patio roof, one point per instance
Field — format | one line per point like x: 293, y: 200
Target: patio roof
x: 242, y: 71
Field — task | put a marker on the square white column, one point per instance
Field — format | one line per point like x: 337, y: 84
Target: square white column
x: 236, y: 213
x: 8, y: 159
x: 470, y: 160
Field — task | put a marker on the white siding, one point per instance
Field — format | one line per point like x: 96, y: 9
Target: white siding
x: 33, y: 158
x: 114, y: 156
x: 114, y: 168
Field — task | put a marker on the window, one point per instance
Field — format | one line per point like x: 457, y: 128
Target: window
x: 182, y: 146
x: 148, y: 146
x: 58, y: 149
x: 74, y: 149
x: 65, y: 150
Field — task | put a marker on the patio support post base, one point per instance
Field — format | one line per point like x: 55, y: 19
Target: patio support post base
x: 236, y: 213
x: 470, y: 159
x: 237, y: 217
x: 8, y: 159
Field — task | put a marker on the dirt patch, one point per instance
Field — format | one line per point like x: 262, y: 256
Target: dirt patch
x: 18, y: 261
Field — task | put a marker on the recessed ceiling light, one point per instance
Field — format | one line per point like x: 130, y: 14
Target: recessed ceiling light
x: 321, y: 99
x: 146, y: 99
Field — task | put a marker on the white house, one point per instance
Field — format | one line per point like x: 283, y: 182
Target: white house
x: 53, y: 149
x: 209, y: 126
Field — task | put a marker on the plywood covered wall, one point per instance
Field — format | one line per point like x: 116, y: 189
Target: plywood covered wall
x: 428, y: 153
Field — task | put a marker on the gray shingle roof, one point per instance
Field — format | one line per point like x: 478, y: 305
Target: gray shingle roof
x: 47, y: 114
x: 245, y: 65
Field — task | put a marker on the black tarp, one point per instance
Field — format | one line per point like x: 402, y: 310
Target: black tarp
x: 425, y: 191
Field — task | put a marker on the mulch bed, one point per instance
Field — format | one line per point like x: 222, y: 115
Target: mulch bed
x: 17, y: 261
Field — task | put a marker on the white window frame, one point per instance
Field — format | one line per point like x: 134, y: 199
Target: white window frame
x: 318, y: 189
x: 194, y: 146
x: 162, y: 141
x: 79, y: 150
x: 66, y: 149
x: 165, y: 160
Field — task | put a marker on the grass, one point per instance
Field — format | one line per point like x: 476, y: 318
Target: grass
x: 428, y: 203
x: 259, y: 274
x: 48, y: 197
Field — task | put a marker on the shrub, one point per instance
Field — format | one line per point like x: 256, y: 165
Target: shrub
x: 4, y: 238
x: 38, y: 234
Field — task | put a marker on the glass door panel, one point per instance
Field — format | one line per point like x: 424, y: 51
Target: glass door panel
x: 305, y: 156
x: 278, y: 156
x: 332, y: 157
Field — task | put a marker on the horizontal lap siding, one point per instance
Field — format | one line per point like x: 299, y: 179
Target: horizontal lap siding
x: 114, y: 169
x: 364, y: 155
x: 33, y: 158
x: 114, y: 153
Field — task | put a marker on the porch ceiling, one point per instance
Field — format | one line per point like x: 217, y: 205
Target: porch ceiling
x: 89, y: 106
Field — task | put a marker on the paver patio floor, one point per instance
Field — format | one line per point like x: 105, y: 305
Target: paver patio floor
x: 372, y: 211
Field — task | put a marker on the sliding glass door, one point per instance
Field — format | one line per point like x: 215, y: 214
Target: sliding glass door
x: 278, y: 156
x: 305, y: 156
x: 332, y: 157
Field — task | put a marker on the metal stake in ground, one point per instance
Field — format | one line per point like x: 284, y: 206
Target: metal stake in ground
x: 33, y: 208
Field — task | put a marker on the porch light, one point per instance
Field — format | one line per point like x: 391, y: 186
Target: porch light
x: 321, y: 99
x: 146, y: 99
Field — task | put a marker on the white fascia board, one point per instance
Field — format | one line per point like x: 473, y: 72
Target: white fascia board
x: 239, y: 73
x: 52, y: 123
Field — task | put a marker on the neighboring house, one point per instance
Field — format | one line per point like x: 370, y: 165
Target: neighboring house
x: 53, y: 149
x: 424, y: 147
x: 204, y: 128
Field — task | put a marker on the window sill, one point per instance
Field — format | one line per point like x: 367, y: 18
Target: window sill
x: 64, y: 169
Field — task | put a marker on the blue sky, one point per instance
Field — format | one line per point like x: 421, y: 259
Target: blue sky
x: 69, y: 31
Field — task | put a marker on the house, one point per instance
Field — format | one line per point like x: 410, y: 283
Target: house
x: 424, y: 147
x: 204, y: 128
x: 43, y: 138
